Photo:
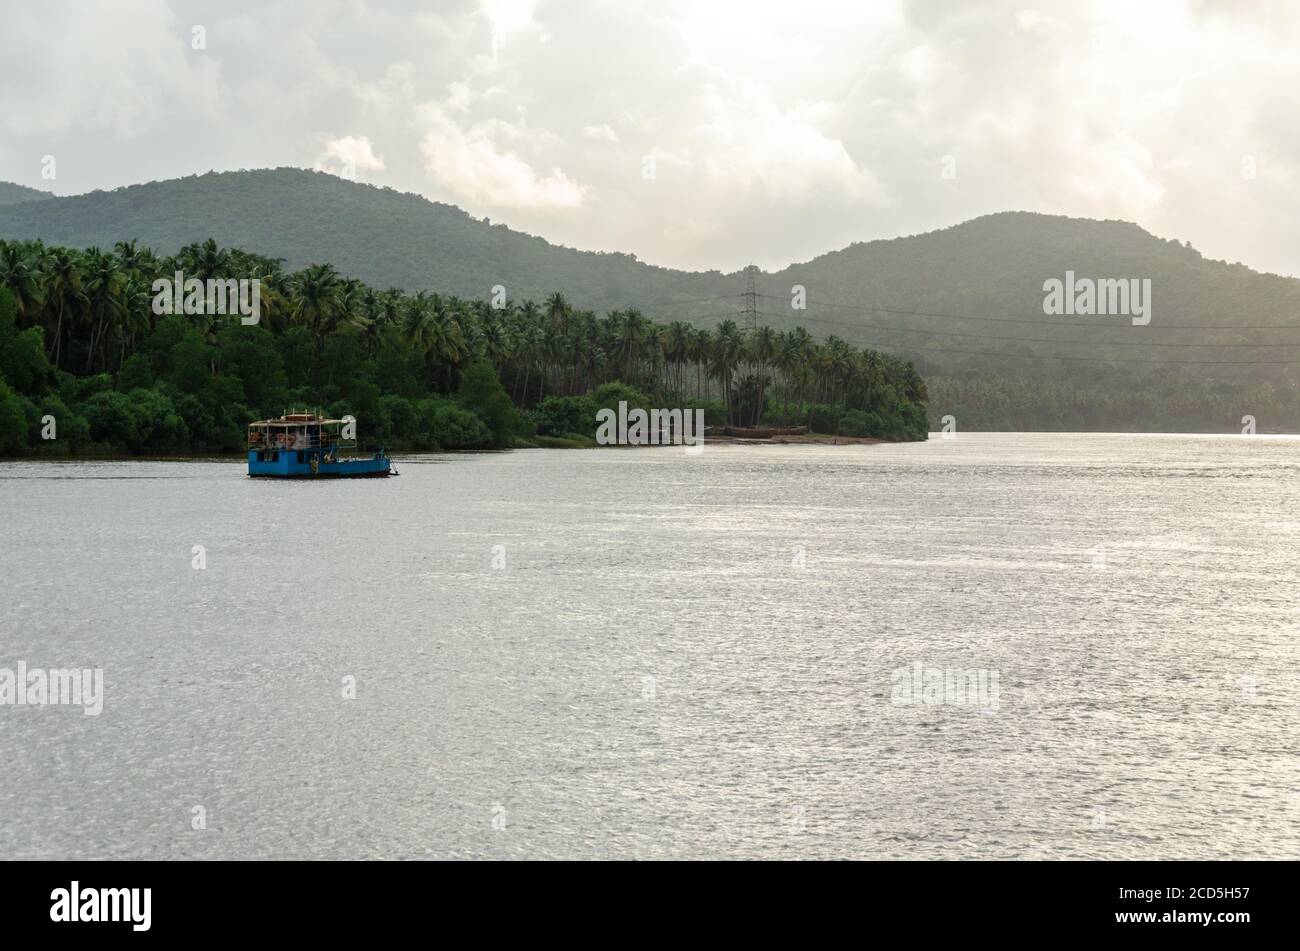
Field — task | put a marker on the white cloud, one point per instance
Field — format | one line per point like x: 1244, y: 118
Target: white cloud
x: 348, y: 156
x: 507, y: 17
x: 474, y: 164
x: 115, y: 72
x: 748, y: 143
x: 778, y: 132
x: 599, y: 133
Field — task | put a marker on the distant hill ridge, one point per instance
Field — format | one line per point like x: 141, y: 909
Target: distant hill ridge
x: 991, y: 267
x: 379, y: 235
x: 11, y: 194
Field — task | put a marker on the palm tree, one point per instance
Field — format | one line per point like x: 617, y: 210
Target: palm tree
x: 134, y: 259
x: 432, y: 325
x: 655, y: 344
x: 352, y: 300
x: 727, y: 345
x: 528, y: 347
x: 528, y: 341
x: 275, y: 297
x: 587, y: 353
x: 802, y: 353
x: 134, y: 317
x: 370, y: 329
x: 104, y: 285
x: 630, y: 330
x: 496, y: 341
x: 390, y: 307
x: 317, y: 300
x: 677, y: 350
x: 873, y: 374
x: 205, y: 260
x: 554, y: 347
x: 836, y: 365
x: 62, y: 289
x: 701, y: 347
x: 20, y: 273
x: 557, y: 312
x: 763, y: 347
x: 417, y: 321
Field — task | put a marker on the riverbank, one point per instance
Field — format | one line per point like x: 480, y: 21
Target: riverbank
x: 541, y: 442
x: 807, y: 439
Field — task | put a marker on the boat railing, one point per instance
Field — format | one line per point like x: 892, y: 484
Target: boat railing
x: 286, y: 441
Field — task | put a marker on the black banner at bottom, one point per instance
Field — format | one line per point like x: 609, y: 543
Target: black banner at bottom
x: 1216, y: 901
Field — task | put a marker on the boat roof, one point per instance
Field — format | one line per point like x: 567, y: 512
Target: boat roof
x: 296, y: 422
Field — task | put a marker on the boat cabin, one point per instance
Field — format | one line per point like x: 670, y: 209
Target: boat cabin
x: 296, y: 431
x: 305, y: 444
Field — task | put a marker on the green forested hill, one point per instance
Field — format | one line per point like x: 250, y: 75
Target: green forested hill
x: 965, y: 303
x: 11, y: 194
x: 383, y: 237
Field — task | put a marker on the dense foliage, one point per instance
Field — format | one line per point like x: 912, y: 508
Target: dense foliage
x: 81, y: 344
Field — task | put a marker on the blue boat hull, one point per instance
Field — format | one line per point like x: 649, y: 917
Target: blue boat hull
x: 298, y: 464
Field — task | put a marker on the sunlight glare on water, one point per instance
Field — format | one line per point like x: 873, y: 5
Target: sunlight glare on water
x: 640, y: 653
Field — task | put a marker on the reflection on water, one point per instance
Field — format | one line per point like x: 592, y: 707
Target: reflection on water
x: 640, y: 653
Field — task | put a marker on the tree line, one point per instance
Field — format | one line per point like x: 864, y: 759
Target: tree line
x: 84, y: 338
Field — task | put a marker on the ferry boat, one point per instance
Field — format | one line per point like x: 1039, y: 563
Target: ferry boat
x: 305, y: 445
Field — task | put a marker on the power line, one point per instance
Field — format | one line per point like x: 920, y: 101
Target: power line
x: 863, y: 308
x: 697, y: 300
x: 724, y: 315
x: 1051, y: 356
x: 963, y: 333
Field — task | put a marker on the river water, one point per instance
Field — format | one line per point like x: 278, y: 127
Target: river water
x: 641, y: 653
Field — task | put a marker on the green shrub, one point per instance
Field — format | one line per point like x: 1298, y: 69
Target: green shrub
x: 136, y: 373
x: 112, y: 420
x: 856, y: 423
x: 715, y: 411
x: 560, y: 415
x: 71, y: 432
x: 159, y: 428
x: 452, y: 427
x: 13, y: 422
x: 403, y: 419
x: 609, y: 395
x: 482, y: 392
x: 824, y: 419
x: 23, y: 362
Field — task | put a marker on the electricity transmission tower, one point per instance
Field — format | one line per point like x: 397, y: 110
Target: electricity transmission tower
x: 751, y: 298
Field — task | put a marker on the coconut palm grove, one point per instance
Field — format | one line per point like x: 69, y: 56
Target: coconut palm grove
x: 87, y: 367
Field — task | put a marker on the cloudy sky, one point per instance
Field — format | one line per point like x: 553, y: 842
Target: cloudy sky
x: 692, y: 133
